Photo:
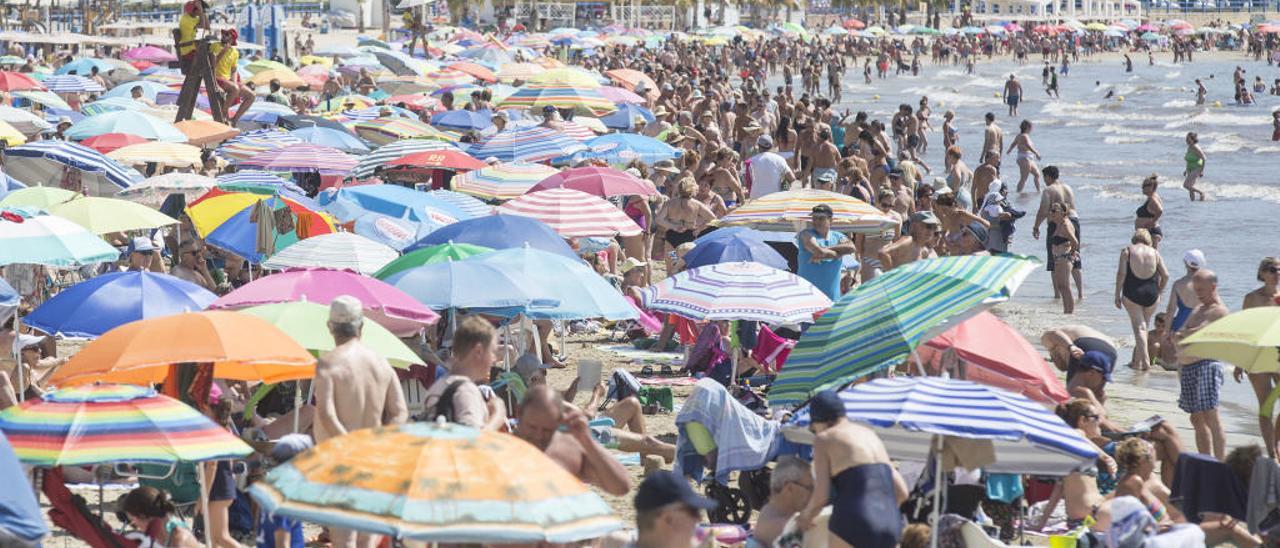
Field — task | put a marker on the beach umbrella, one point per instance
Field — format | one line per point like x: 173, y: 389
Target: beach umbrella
x: 29, y: 237
x: 149, y: 53
x: 368, y: 164
x: 51, y: 100
x: 17, y: 81
x: 253, y: 143
x: 630, y: 79
x: 1151, y: 37
x: 21, y: 517
x: 42, y: 197
x: 108, y: 142
x: 342, y: 250
x: 471, y: 285
x: 1013, y: 27
x: 736, y: 291
x: 176, y: 155
x: 104, y: 423
x: 107, y: 215
x: 511, y: 72
x: 502, y: 181
x: 257, y: 182
x: 153, y: 191
x: 623, y: 148
x: 397, y: 232
x: 84, y: 66
x: 303, y: 158
x: 436, y: 483
x: 97, y: 305
x: 731, y: 245
x: 572, y: 213
x: 382, y: 303
x: 383, y: 131
x: 1246, y: 339
x: 598, y: 181
x: 577, y: 132
x: 307, y: 323
x: 48, y: 162
x: 624, y: 118
x: 621, y: 96
x: 126, y: 121
x: 10, y: 135
x: 915, y: 415
x: 1096, y: 26
x: 288, y: 79
x: 239, y: 346
x: 391, y: 200
x: 463, y: 119
x: 499, y: 232
x: 855, y: 24
x: 23, y: 120
x: 70, y: 83
x: 475, y: 70
x: 580, y: 291
x: 531, y: 144
x: 784, y: 210
x: 583, y: 100
x: 430, y: 255
x: 880, y: 323
x: 239, y: 234
x: 985, y: 350
x: 205, y: 132
x: 331, y: 138
x: 437, y: 159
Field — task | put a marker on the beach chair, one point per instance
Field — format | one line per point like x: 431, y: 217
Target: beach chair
x: 72, y: 513
x: 975, y: 537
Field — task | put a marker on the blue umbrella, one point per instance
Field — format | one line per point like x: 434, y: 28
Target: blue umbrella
x: 331, y: 138
x: 19, y: 512
x: 463, y: 119
x: 624, y: 118
x: 97, y: 305
x: 149, y: 89
x: 734, y: 244
x: 395, y: 233
x: 127, y: 121
x: 467, y: 203
x: 499, y: 232
x: 469, y: 285
x: 582, y: 293
x: 8, y: 301
x: 84, y: 67
x: 44, y: 162
x: 110, y: 104
x: 622, y: 148
x: 391, y: 200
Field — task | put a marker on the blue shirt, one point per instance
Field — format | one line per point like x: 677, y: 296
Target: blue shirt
x: 268, y: 525
x: 825, y: 275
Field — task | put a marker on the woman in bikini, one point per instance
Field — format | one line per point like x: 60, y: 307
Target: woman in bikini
x: 1080, y: 488
x: 922, y: 126
x: 684, y: 216
x: 1264, y: 384
x: 1065, y: 248
x: 1140, y: 279
x: 1027, y: 156
x: 1195, y: 159
x: 960, y: 178
x: 950, y: 135
x: 1149, y: 213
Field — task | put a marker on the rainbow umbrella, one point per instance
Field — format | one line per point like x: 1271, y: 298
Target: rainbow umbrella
x: 436, y: 483
x: 239, y: 234
x: 583, y: 100
x: 502, y: 181
x: 114, y: 423
x: 303, y: 158
x: 530, y: 144
x: 737, y: 291
x: 783, y: 210
x: 383, y: 131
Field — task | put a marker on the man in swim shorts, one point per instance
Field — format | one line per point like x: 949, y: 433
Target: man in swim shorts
x: 1200, y: 379
x: 1012, y: 94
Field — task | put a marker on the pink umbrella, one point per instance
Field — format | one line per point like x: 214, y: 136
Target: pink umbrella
x: 992, y: 353
x: 383, y: 302
x: 572, y: 213
x: 620, y: 95
x: 150, y: 53
x: 1013, y: 27
x: 577, y: 132
x: 1147, y: 27
x: 600, y: 181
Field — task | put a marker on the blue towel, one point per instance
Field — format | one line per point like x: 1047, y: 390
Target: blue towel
x: 1005, y: 488
x: 1206, y: 485
x: 744, y: 440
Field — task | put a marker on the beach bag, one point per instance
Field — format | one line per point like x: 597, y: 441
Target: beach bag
x: 770, y: 350
x: 659, y: 397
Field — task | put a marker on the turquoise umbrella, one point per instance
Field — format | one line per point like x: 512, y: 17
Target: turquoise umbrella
x: 881, y: 322
x: 127, y: 121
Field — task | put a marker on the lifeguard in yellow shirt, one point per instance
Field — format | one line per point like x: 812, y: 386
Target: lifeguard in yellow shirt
x: 225, y: 57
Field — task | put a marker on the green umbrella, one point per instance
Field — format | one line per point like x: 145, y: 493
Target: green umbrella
x: 430, y: 255
x: 37, y: 196
x: 307, y: 323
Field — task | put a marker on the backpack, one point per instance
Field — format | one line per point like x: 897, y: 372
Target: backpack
x: 444, y: 405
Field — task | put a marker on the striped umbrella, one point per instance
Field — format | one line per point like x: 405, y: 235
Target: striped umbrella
x: 37, y: 238
x: 473, y: 69
x: 573, y: 213
x: 783, y: 210
x: 908, y: 412
x: 622, y: 148
x: 304, y: 158
x: 577, y: 132
x: 621, y: 96
x: 71, y: 83
x: 153, y: 191
x: 252, y: 143
x: 383, y: 131
x: 881, y: 322
x: 470, y: 206
x: 598, y: 181
x: 369, y: 163
x: 477, y: 487
x: 585, y: 101
x: 111, y: 104
x: 531, y: 144
x: 737, y: 291
x: 114, y: 423
x: 502, y: 181
x: 176, y: 155
x: 342, y: 250
x: 630, y: 78
x: 450, y: 77
x: 48, y: 162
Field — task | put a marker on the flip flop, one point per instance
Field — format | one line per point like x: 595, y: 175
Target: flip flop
x: 646, y: 371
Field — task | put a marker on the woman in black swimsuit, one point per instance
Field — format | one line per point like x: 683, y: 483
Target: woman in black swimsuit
x: 1140, y: 280
x: 1149, y: 213
x: 1065, y: 251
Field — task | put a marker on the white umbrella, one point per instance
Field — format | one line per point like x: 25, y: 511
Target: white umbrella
x: 335, y: 250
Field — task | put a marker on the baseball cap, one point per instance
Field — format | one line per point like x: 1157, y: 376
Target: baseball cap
x: 665, y: 487
x: 1094, y: 360
x: 1194, y: 258
x: 822, y: 209
x: 978, y: 231
x: 527, y: 365
x: 764, y: 141
x: 290, y: 445
x: 826, y: 406
x: 142, y: 244
x: 925, y: 217
x: 345, y: 309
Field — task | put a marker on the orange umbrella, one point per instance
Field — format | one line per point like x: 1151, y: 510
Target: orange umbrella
x: 630, y: 78
x: 240, y: 347
x: 204, y: 132
x: 473, y: 69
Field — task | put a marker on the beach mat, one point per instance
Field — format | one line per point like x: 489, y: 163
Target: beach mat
x: 636, y: 355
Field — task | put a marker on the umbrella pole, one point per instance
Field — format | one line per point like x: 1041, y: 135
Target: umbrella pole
x: 204, y: 504
x: 939, y: 483
x: 919, y: 364
x: 17, y: 357
x: 297, y: 404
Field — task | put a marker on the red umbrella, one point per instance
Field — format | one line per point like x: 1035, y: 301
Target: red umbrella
x: 995, y: 354
x: 16, y: 81
x: 473, y: 69
x: 108, y: 142
x: 415, y: 101
x: 141, y: 65
x: 600, y: 181
x: 854, y: 24
x: 438, y: 159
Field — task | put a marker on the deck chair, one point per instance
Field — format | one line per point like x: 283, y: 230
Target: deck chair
x: 975, y: 537
x: 73, y: 514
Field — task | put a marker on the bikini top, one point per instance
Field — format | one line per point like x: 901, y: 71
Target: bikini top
x: 1143, y: 212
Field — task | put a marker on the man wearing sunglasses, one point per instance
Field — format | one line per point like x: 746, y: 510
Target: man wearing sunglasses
x: 667, y: 511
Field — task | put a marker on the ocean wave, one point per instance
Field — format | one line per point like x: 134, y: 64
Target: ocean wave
x: 1173, y: 75
x: 1124, y: 140
x: 1232, y: 142
x: 1179, y: 103
x: 1240, y: 191
x: 1220, y: 119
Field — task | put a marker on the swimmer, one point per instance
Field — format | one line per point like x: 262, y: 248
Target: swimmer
x: 1201, y: 92
x: 1012, y: 94
x: 1027, y: 155
x: 1195, y: 159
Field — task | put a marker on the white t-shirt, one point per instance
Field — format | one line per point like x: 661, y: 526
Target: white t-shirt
x: 767, y: 170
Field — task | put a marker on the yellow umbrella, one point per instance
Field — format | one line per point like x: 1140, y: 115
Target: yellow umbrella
x: 107, y: 215
x: 165, y: 154
x: 288, y: 79
x: 1248, y: 339
x: 37, y: 196
x: 205, y: 132
x: 10, y: 135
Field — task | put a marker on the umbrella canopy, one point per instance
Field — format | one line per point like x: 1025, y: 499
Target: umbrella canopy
x: 227, y: 221
x: 176, y: 155
x: 502, y: 181
x: 97, y: 305
x: 71, y: 83
x: 583, y: 100
x: 992, y: 353
x: 48, y: 162
x: 463, y: 120
x: 573, y: 213
x: 107, y: 215
x: 783, y: 210
x: 251, y: 143
x: 307, y: 323
x: 499, y: 232
x: 23, y: 120
x: 21, y: 516
x: 731, y: 245
x: 17, y: 81
x: 625, y: 117
x: 907, y: 412
x: 105, y: 423
x: 149, y: 53
x: 1248, y: 339
x: 512, y: 72
x: 303, y: 158
x: 126, y: 121
x: 430, y: 255
x: 531, y: 144
x: 342, y: 250
x: 382, y: 303
x: 42, y: 197
x: 37, y: 238
x: 470, y: 284
x: 470, y: 206
x: 436, y: 483
x: 108, y: 142
x: 391, y: 200
x: 630, y: 79
x: 881, y: 322
x: 240, y: 347
x: 737, y: 291
x: 437, y: 159
x: 153, y: 191
x: 205, y: 132
x: 371, y: 162
x: 581, y: 292
x: 598, y: 181
x: 332, y: 138
x: 383, y: 131
x: 475, y: 70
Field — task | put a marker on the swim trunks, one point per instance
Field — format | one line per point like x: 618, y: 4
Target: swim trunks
x: 1200, y: 384
x: 1012, y: 100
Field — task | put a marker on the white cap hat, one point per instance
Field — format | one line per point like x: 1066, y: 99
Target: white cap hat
x: 25, y: 341
x: 345, y: 309
x: 1194, y: 258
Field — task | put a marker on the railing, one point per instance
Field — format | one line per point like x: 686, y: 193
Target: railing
x: 556, y: 14
x: 1211, y: 6
x: 647, y: 17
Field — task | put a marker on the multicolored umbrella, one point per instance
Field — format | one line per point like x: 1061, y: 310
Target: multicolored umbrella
x: 342, y: 250
x: 107, y: 215
x: 29, y: 237
x: 331, y: 138
x: 239, y: 346
x: 48, y: 163
x: 502, y: 181
x: 303, y: 158
x: 252, y: 143
x: 532, y: 144
x: 583, y: 100
x: 572, y: 213
x: 370, y: 163
x: 104, y: 423
x: 307, y: 323
x: 597, y: 181
x: 436, y: 483
x: 737, y: 291
x: 239, y: 233
x: 881, y: 322
x: 430, y: 255
x: 1246, y: 339
x: 784, y: 210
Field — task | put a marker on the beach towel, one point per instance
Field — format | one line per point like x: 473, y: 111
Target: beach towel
x: 1206, y: 485
x: 744, y: 440
x: 1264, y: 492
x: 770, y: 350
x: 265, y: 236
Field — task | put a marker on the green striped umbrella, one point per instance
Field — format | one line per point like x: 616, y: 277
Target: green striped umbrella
x: 881, y: 323
x: 430, y: 255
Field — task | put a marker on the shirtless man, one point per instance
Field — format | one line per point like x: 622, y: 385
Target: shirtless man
x: 1012, y: 94
x: 871, y: 244
x: 826, y: 157
x: 541, y: 414
x: 191, y: 266
x: 983, y: 175
x: 790, y: 486
x: 992, y: 139
x: 1067, y: 346
x: 917, y: 245
x: 1200, y: 379
x: 852, y: 472
x: 1058, y: 192
x: 355, y: 388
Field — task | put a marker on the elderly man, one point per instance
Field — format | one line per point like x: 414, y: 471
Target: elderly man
x: 192, y: 267
x: 667, y: 511
x: 790, y: 486
x: 821, y: 251
x: 1200, y: 379
x: 355, y: 388
x: 917, y: 245
x: 542, y: 413
x: 459, y: 397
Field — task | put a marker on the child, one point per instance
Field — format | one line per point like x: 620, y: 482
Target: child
x: 1159, y: 347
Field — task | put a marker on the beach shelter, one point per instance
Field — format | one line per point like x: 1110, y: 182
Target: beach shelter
x: 108, y: 142
x: 332, y: 138
x: 472, y: 285
x: 391, y: 200
x: 303, y: 158
x: 341, y: 250
x: 17, y: 81
x: 499, y: 232
x: 153, y: 190
x: 52, y: 163
x: 624, y: 118
x: 251, y: 143
x: 176, y: 155
x: 71, y: 83
x: 307, y: 323
x: 368, y: 164
x: 205, y: 132
x: 97, y: 305
x: 583, y: 100
x: 107, y: 215
x: 788, y: 210
x: 383, y: 131
x: 987, y: 351
x: 572, y: 213
x: 736, y: 291
x: 32, y: 237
